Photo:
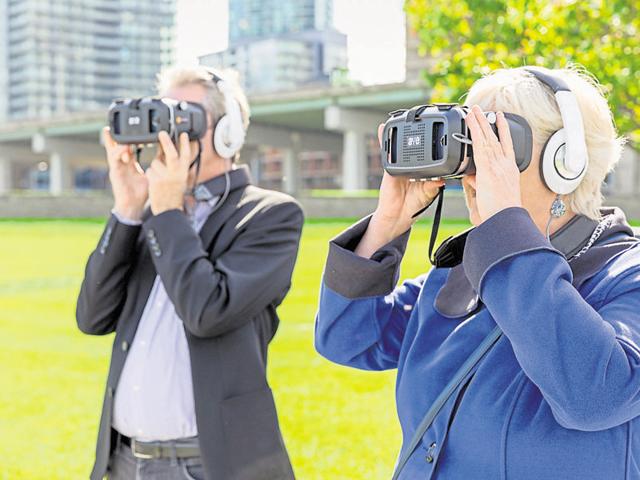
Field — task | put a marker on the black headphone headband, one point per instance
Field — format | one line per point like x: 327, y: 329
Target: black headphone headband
x: 214, y: 77
x: 554, y: 83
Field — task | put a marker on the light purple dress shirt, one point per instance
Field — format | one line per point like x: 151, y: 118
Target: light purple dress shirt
x: 154, y: 398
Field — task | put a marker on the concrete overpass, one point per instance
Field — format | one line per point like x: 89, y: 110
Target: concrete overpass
x: 334, y: 120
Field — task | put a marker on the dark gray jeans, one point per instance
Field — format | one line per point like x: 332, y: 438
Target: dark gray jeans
x: 124, y: 466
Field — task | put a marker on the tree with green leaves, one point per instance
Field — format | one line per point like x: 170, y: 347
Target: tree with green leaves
x: 465, y: 39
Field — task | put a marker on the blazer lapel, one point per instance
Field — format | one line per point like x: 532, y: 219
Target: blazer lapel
x: 237, y: 179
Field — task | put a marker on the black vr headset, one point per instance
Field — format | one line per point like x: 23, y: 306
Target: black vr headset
x: 139, y: 121
x: 433, y: 141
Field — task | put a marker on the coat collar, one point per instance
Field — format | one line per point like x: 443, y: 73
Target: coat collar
x: 216, y: 186
x: 457, y: 298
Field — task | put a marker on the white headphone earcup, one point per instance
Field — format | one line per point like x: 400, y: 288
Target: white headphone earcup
x: 229, y: 133
x: 221, y: 141
x: 553, y: 166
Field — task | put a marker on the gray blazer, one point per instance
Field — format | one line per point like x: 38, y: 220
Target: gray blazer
x: 225, y: 283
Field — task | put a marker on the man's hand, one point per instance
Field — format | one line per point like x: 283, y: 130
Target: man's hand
x: 168, y: 179
x: 129, y: 185
x: 398, y: 201
x: 497, y: 181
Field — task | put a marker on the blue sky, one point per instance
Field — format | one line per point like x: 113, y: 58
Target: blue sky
x: 375, y: 30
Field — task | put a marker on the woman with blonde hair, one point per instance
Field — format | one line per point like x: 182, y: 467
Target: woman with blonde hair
x: 520, y: 358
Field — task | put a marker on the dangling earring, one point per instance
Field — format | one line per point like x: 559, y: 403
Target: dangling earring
x: 558, y: 209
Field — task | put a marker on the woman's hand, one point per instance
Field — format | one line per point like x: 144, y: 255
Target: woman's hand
x: 129, y: 185
x: 497, y: 180
x: 398, y: 201
x: 168, y: 178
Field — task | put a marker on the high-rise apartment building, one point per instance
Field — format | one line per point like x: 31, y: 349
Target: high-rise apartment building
x: 4, y: 58
x: 282, y: 44
x: 253, y: 19
x: 63, y: 56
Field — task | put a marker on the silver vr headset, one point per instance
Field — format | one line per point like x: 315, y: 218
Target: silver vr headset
x: 433, y: 141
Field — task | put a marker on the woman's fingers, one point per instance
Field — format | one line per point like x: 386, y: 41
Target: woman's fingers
x: 505, y: 136
x: 484, y: 125
x: 491, y: 141
x: 431, y: 187
x: 478, y: 140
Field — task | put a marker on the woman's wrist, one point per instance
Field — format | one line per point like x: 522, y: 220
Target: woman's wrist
x: 381, y: 230
x: 387, y: 227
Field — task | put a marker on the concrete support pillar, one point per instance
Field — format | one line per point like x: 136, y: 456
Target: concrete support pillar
x: 290, y: 171
x: 354, y: 161
x: 249, y: 155
x: 5, y: 176
x: 625, y: 174
x: 355, y: 125
x: 60, y: 174
x: 636, y: 172
x: 291, y: 166
x: 256, y: 168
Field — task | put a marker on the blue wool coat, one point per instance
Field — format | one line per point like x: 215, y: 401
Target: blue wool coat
x: 558, y: 396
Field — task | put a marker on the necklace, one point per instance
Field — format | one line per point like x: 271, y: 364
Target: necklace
x: 602, y: 226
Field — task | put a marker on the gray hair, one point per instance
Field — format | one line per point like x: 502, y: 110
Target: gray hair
x: 176, y: 77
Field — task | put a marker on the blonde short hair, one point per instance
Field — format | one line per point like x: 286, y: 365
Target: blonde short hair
x: 517, y: 91
x: 176, y: 77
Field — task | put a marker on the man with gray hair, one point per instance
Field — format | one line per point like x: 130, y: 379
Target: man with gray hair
x: 189, y: 280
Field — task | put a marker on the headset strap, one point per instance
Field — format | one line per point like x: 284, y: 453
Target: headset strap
x: 461, y: 375
x: 436, y: 222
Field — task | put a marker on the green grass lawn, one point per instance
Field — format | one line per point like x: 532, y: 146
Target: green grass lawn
x: 338, y: 423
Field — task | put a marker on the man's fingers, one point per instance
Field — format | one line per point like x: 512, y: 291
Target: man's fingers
x: 505, y: 136
x: 157, y: 166
x: 168, y: 148
x: 159, y: 153
x: 151, y: 175
x: 138, y: 168
x: 115, y: 151
x: 380, y: 130
x: 126, y: 154
x: 185, y: 148
x: 116, y: 154
x: 107, y: 139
